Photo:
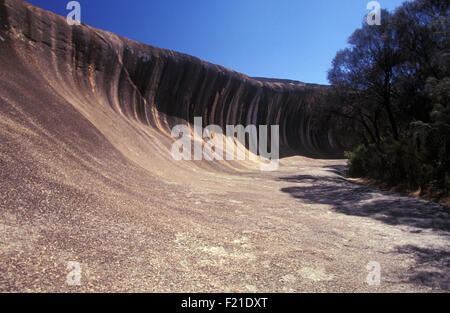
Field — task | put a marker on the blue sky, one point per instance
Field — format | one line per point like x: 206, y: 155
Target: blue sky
x: 292, y: 39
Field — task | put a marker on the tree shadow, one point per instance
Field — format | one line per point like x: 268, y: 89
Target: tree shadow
x: 432, y: 266
x: 435, y: 265
x: 340, y: 170
x: 353, y: 199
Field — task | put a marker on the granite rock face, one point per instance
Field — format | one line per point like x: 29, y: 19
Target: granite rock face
x: 87, y: 177
x: 156, y: 87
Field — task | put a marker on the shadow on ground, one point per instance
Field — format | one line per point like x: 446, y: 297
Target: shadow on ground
x: 354, y: 199
x: 434, y: 265
x: 391, y: 208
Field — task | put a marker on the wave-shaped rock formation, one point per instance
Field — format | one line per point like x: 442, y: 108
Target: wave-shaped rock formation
x: 86, y: 175
x: 147, y: 87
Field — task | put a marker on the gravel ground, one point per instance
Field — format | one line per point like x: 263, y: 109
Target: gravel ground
x: 91, y: 201
x: 302, y: 229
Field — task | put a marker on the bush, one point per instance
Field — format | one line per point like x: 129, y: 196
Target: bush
x: 362, y: 161
x: 419, y: 159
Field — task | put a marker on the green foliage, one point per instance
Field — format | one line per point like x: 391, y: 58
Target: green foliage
x: 394, y: 83
x: 361, y: 162
x: 420, y: 159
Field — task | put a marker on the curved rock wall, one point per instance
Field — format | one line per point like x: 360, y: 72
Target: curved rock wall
x: 119, y: 84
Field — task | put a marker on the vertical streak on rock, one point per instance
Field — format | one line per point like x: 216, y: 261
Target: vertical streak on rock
x: 160, y: 88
